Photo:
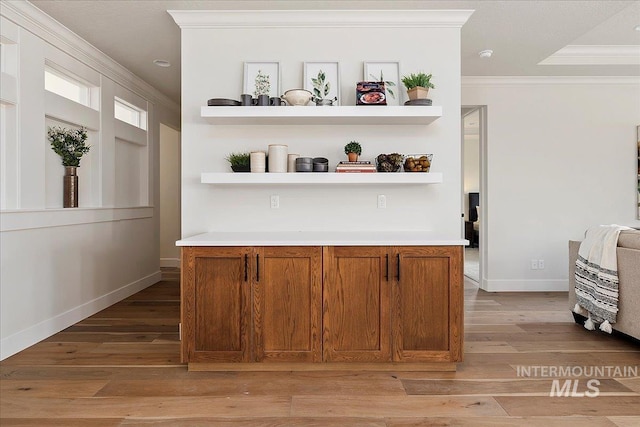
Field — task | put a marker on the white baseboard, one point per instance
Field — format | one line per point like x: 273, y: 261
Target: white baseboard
x: 36, y: 333
x: 170, y: 262
x: 514, y: 285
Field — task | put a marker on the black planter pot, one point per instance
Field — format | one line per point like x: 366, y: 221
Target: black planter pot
x: 241, y: 168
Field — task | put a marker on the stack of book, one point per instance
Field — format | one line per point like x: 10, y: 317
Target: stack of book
x: 357, y: 167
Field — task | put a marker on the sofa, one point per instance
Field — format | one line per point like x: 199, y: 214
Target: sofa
x: 628, y: 256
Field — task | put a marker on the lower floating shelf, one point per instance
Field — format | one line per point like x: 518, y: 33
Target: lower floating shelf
x: 321, y: 178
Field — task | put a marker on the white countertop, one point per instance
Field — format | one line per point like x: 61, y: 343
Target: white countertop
x: 320, y: 238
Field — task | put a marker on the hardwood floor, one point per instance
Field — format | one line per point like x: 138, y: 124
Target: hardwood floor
x: 121, y: 367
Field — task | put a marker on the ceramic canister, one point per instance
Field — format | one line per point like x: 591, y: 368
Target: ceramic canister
x: 291, y: 163
x: 278, y: 158
x: 257, y: 161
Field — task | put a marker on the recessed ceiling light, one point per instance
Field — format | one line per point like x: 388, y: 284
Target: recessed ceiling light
x: 637, y: 28
x: 485, y: 53
x: 162, y: 63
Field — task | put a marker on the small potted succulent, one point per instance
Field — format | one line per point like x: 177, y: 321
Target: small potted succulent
x: 239, y: 162
x: 417, y: 85
x: 353, y: 150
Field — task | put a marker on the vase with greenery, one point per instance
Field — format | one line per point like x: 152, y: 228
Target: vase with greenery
x: 418, y: 85
x: 240, y: 162
x: 263, y: 88
x: 353, y: 149
x: 70, y: 145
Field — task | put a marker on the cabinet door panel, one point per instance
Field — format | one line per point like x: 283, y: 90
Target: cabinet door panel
x: 427, y: 304
x: 216, y: 295
x: 288, y: 303
x: 356, y: 323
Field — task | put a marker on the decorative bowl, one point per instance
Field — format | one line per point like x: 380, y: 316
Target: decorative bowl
x: 417, y: 162
x: 297, y: 97
x: 389, y: 162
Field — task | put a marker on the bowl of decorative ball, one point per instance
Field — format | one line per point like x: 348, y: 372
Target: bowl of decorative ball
x: 417, y: 162
x: 389, y: 162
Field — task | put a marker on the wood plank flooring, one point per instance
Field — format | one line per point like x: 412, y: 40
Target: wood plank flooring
x: 121, y: 367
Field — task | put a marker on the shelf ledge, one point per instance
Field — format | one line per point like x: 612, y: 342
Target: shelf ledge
x: 317, y: 178
x: 312, y: 115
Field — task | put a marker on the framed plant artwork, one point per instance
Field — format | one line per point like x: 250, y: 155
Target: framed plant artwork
x: 389, y: 73
x: 323, y: 80
x: 262, y: 78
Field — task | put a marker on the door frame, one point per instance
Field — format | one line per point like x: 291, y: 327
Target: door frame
x: 483, y: 234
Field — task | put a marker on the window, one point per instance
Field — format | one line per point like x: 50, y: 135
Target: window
x: 66, y: 86
x: 130, y: 114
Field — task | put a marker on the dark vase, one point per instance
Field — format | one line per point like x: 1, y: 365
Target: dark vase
x: 263, y: 99
x: 70, y: 186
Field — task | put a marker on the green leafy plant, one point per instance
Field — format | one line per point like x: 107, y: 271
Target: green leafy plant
x: 69, y: 144
x: 263, y: 85
x: 353, y: 147
x: 321, y: 88
x: 415, y: 80
x: 388, y: 84
x: 238, y: 159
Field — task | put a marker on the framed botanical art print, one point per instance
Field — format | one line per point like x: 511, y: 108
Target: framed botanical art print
x: 389, y: 73
x: 323, y: 80
x: 261, y: 77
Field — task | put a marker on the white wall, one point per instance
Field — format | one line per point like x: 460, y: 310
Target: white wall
x: 169, y: 196
x: 212, y: 66
x: 561, y: 157
x: 62, y: 265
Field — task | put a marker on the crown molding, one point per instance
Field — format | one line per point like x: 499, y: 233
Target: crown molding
x: 34, y: 20
x: 548, y: 80
x: 595, y: 55
x: 189, y: 19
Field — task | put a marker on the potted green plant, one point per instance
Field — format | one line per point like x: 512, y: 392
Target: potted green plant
x: 239, y: 162
x: 418, y: 85
x: 70, y: 145
x: 353, y: 150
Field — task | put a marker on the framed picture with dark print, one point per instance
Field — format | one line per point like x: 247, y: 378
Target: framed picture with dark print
x: 262, y: 76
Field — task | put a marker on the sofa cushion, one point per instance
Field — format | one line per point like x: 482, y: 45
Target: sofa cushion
x: 629, y: 239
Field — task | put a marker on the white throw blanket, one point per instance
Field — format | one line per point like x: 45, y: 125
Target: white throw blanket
x: 597, y: 276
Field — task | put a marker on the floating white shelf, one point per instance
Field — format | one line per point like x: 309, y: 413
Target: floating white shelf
x: 321, y: 178
x: 312, y: 115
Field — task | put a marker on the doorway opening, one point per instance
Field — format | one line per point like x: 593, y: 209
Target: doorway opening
x: 474, y: 124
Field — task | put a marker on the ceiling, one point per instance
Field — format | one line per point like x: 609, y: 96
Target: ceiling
x: 594, y: 38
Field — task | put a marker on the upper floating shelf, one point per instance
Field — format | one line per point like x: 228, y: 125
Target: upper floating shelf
x: 311, y: 115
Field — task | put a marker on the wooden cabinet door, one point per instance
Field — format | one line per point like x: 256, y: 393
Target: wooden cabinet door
x: 215, y: 304
x: 287, y: 304
x: 356, y: 288
x: 427, y: 303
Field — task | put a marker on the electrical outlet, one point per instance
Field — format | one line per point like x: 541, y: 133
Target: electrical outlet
x: 275, y: 202
x: 541, y: 264
x: 534, y: 264
x: 382, y: 201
